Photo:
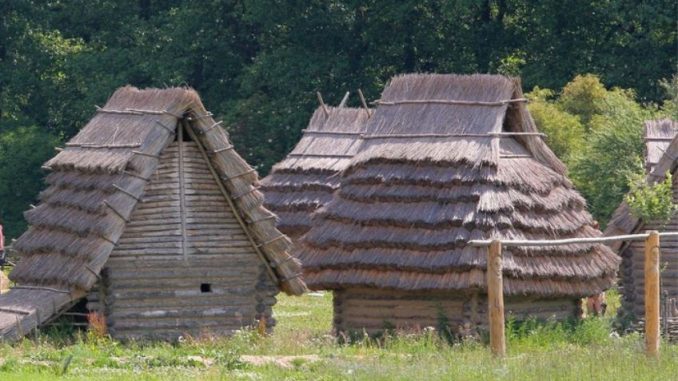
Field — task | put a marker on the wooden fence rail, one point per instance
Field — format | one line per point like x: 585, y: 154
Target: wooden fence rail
x: 495, y: 292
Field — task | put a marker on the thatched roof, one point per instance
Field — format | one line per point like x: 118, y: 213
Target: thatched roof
x: 658, y: 136
x: 661, y: 156
x: 446, y: 159
x: 305, y: 180
x: 99, y: 178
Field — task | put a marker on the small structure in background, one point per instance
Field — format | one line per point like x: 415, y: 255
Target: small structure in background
x: 306, y: 179
x: 446, y: 159
x: 661, y: 156
x: 152, y: 215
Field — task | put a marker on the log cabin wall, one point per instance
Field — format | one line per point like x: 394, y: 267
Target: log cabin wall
x: 374, y: 310
x: 184, y: 265
x: 632, y: 275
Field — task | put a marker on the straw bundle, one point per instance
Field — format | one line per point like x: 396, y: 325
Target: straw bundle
x: 446, y: 159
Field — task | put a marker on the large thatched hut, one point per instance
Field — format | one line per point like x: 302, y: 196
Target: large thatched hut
x: 446, y: 159
x: 305, y: 180
x: 661, y: 156
x: 150, y: 206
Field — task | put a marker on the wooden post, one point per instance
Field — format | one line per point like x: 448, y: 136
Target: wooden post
x: 495, y: 299
x: 652, y: 294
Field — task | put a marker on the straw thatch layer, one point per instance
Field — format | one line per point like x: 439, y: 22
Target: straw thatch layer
x: 430, y: 176
x: 101, y: 175
x: 305, y: 180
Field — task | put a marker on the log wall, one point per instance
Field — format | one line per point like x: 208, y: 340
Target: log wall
x: 632, y: 276
x: 183, y: 265
x: 374, y: 310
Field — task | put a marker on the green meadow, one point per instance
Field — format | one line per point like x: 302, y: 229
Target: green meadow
x: 302, y: 347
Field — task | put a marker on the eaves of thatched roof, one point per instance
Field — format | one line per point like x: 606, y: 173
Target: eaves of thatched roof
x: 446, y: 159
x: 661, y: 156
x: 305, y: 180
x: 95, y: 184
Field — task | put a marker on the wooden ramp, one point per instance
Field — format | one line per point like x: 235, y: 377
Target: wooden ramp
x: 24, y: 309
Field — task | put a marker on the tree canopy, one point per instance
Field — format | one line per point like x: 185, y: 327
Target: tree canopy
x: 258, y: 63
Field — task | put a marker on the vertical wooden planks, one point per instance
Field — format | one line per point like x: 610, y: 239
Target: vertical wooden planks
x: 182, y: 189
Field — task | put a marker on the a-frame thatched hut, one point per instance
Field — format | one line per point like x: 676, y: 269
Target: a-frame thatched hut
x: 661, y: 156
x: 446, y: 159
x: 151, y: 203
x: 305, y: 180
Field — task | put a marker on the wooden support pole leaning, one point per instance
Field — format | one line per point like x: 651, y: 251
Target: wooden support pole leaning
x: 652, y: 294
x: 322, y: 103
x: 343, y: 101
x: 364, y: 103
x: 495, y: 299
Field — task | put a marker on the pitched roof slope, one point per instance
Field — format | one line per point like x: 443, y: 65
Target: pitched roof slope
x: 661, y: 156
x: 96, y: 182
x: 658, y: 137
x: 305, y: 180
x: 446, y: 159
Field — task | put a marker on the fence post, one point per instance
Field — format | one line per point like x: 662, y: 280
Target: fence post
x: 652, y: 294
x: 495, y: 299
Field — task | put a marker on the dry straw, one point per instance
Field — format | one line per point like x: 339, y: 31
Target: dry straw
x: 446, y: 160
x: 97, y: 181
x: 305, y: 180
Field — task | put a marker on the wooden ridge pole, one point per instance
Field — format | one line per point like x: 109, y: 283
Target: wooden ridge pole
x: 652, y: 294
x: 495, y: 299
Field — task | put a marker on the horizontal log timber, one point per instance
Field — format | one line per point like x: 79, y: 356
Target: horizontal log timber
x: 196, y: 303
x: 208, y: 314
x: 192, y: 324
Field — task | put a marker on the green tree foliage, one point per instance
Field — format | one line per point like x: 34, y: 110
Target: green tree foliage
x: 598, y: 133
x: 565, y: 132
x: 651, y: 202
x: 258, y: 63
x: 22, y: 152
x: 584, y: 96
x: 612, y: 149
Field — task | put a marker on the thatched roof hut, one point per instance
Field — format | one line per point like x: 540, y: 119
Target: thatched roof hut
x: 151, y: 203
x: 305, y: 180
x: 446, y: 159
x: 661, y: 156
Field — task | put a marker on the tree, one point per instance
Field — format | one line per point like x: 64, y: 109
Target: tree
x: 565, y: 133
x: 22, y: 152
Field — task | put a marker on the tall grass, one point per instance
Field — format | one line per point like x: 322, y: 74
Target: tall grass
x: 584, y: 350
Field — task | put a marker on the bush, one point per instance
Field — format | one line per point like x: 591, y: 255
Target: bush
x: 651, y: 202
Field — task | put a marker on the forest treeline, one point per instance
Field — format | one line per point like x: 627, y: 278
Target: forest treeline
x: 258, y: 63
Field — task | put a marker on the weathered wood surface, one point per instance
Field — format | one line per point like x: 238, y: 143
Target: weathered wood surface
x: 495, y: 299
x: 24, y: 310
x: 652, y: 294
x: 182, y: 236
x: 632, y: 270
x: 374, y: 310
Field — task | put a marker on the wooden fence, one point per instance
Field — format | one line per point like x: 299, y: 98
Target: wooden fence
x: 495, y: 292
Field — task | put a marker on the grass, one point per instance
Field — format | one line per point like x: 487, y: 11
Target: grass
x: 537, y: 351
